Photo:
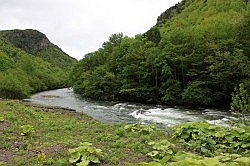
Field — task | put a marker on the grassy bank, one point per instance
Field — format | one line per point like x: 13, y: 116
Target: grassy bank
x: 37, y: 135
x: 55, y: 130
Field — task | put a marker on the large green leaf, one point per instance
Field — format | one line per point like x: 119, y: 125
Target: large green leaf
x: 83, y: 163
x: 74, y: 157
x: 187, y: 162
x: 211, y: 162
x: 94, y: 159
x: 165, y: 159
x: 181, y: 155
x: 243, y: 160
x: 153, y: 153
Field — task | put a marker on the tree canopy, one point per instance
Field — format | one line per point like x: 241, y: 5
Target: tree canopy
x: 195, y: 55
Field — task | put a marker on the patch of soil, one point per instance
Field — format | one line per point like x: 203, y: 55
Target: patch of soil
x: 54, y: 109
x: 5, y: 155
x: 53, y: 148
x: 50, y: 149
x: 3, y: 125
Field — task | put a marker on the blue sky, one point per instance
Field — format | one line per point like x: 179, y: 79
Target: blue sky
x: 81, y: 26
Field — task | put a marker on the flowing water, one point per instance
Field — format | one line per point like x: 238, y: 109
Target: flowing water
x: 129, y: 112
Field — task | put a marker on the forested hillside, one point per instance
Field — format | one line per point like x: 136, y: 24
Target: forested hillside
x: 25, y: 67
x: 36, y: 43
x: 196, y: 54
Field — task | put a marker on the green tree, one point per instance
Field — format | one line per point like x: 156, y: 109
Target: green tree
x: 14, y: 85
x: 195, y: 55
x: 240, y: 99
x: 5, y: 62
x: 197, y: 93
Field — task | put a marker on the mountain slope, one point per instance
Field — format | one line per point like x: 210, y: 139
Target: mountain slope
x: 196, y: 55
x: 22, y: 72
x: 36, y: 43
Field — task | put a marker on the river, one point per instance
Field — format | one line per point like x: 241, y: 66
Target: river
x: 129, y: 112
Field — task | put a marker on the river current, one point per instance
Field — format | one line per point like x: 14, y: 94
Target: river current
x: 129, y: 112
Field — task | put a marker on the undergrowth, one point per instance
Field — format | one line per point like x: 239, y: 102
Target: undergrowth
x: 36, y: 135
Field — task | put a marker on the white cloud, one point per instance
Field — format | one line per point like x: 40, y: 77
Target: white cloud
x: 81, y: 26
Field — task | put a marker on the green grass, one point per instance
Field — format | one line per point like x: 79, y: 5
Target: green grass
x: 37, y: 135
x: 34, y: 135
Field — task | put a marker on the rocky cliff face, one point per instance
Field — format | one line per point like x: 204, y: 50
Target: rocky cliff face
x: 37, y: 44
x: 29, y: 40
x: 169, y: 13
x: 43, y: 44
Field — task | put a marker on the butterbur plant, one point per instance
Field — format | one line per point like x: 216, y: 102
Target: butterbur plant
x: 2, y: 119
x: 27, y: 130
x: 161, y: 149
x: 140, y: 128
x: 84, y: 154
x: 211, y: 140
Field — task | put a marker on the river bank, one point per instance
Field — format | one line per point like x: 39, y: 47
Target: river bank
x: 32, y: 134
x: 51, y: 131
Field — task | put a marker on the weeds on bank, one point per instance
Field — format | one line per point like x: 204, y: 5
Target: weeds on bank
x: 202, y: 144
x: 45, y: 136
x: 42, y: 136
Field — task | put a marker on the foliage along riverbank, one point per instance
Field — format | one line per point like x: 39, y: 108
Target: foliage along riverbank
x: 37, y: 135
x: 196, y: 55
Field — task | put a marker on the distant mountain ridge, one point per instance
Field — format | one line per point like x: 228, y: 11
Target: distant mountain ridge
x: 37, y: 43
x: 29, y: 40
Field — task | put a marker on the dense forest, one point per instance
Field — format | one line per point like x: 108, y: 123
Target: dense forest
x: 197, y: 54
x: 29, y: 63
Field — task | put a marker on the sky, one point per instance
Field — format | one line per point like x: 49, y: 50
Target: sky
x: 79, y: 27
